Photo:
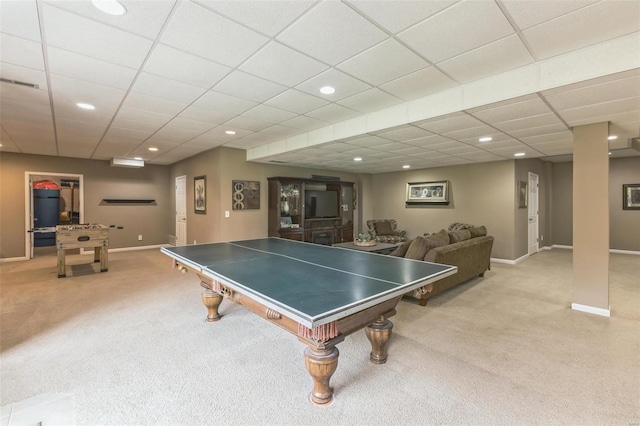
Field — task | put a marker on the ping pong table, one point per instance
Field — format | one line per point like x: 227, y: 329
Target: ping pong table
x: 319, y: 293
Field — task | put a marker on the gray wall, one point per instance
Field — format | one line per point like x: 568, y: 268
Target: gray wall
x: 100, y: 181
x: 624, y: 225
x: 222, y: 166
x: 480, y: 194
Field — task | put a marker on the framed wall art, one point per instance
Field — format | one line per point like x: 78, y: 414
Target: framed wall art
x: 631, y: 196
x: 245, y: 195
x: 435, y: 193
x: 523, y: 194
x: 200, y: 194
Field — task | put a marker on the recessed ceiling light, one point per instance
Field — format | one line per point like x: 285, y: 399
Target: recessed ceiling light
x: 327, y: 90
x: 612, y: 137
x: 485, y: 139
x: 85, y: 106
x: 230, y: 132
x: 153, y: 149
x: 137, y: 158
x: 519, y: 154
x: 406, y: 166
x: 357, y: 159
x: 112, y: 7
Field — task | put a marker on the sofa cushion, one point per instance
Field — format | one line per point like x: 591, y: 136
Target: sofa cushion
x: 459, y: 235
x: 383, y: 228
x: 478, y: 231
x: 418, y: 249
x: 401, y: 250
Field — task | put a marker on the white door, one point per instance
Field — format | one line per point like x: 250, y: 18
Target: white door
x: 181, y: 210
x: 533, y: 213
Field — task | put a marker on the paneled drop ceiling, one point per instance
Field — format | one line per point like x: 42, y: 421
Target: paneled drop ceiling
x: 177, y: 75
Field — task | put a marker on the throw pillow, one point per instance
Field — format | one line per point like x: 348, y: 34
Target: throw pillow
x: 383, y: 228
x: 459, y: 235
x: 401, y: 250
x: 456, y: 226
x: 438, y: 239
x: 478, y: 231
x: 417, y: 249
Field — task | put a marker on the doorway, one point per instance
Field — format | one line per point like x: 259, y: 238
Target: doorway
x: 71, y: 204
x: 533, y: 214
x: 181, y: 211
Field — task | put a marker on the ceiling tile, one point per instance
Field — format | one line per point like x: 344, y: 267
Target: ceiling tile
x: 233, y: 42
x: 175, y: 64
x: 137, y: 119
x: 554, y: 128
x: 165, y: 88
x: 418, y: 84
x: 22, y: 52
x: 90, y: 69
x: 143, y: 17
x: 403, y: 133
x: 25, y: 93
x: 595, y: 93
x: 267, y: 17
x: 331, y: 32
x: 369, y: 101
x: 249, y: 87
x: 457, y: 30
x: 529, y: 13
x: 494, y: 58
x: 386, y: 61
x: 118, y: 135
x: 528, y: 122
x: 296, y: 101
x: 575, y: 30
x: 449, y: 123
x: 525, y: 107
x: 575, y: 116
x: 224, y: 103
x: 397, y: 16
x: 207, y: 115
x: 332, y: 113
x: 153, y: 104
x: 186, y: 123
x: 70, y: 91
x: 345, y: 85
x: 470, y: 133
x: 282, y: 64
x: 303, y: 122
x: 268, y: 114
x: 90, y: 38
x: 246, y: 123
x: 20, y: 18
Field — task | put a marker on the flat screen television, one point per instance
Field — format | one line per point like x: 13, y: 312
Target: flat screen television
x: 321, y: 204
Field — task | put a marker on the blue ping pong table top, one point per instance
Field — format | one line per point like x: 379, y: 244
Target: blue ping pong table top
x: 311, y: 283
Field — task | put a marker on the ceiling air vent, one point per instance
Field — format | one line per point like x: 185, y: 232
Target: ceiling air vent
x: 19, y: 83
x: 279, y: 162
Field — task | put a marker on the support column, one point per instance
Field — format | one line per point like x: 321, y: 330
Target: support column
x: 591, y: 218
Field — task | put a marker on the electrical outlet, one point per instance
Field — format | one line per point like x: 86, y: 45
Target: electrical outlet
x: 541, y: 237
x: 226, y: 213
x: 194, y: 242
x: 139, y: 237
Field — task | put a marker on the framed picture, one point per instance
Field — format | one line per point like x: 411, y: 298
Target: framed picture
x: 245, y: 195
x: 200, y: 194
x: 631, y: 196
x: 523, y: 194
x: 285, y: 222
x: 428, y: 192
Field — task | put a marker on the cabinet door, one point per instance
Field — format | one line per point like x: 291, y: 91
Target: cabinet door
x: 346, y: 208
x: 290, y: 204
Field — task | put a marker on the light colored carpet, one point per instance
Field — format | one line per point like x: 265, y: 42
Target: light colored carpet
x: 131, y: 347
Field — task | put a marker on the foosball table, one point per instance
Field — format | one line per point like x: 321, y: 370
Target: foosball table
x: 82, y: 236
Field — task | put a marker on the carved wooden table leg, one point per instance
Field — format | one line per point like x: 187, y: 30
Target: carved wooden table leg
x: 321, y: 364
x: 212, y: 301
x: 379, y: 334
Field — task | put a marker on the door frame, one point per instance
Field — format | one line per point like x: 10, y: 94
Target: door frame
x: 28, y: 205
x: 185, y: 207
x: 533, y: 194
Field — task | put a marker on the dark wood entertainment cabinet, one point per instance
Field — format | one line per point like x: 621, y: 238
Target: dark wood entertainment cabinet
x: 288, y: 213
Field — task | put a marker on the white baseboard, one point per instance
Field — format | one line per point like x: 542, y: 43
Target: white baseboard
x: 632, y: 252
x: 558, y: 246
x: 635, y: 253
x: 12, y: 259
x: 591, y: 310
x: 509, y: 261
